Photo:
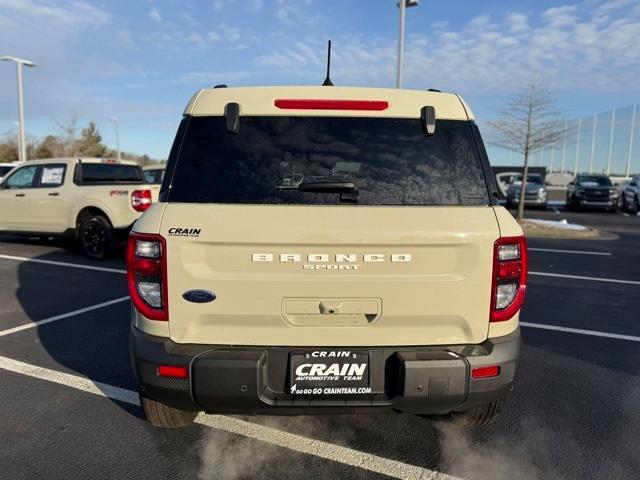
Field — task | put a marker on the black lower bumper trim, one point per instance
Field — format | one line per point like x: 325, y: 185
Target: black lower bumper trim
x: 245, y: 380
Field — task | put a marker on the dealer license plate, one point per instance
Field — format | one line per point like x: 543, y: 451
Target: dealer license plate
x: 329, y: 372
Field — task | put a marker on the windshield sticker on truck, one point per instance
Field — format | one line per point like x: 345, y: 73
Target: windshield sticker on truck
x: 52, y: 175
x: 184, y: 232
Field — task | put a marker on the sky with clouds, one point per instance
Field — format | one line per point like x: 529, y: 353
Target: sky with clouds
x: 142, y: 60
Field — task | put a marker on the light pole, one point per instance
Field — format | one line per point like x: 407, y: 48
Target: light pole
x: 627, y: 170
x: 116, y: 121
x: 611, y: 134
x: 553, y: 149
x: 593, y: 142
x: 403, y: 4
x: 564, y: 144
x: 575, y: 164
x: 22, y: 147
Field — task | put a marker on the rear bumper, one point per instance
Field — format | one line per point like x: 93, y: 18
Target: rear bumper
x: 246, y: 380
x: 599, y: 204
x: 527, y: 201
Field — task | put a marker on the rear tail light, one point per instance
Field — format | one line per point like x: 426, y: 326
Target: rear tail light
x: 486, y: 372
x: 140, y: 200
x: 170, y: 371
x: 147, y: 275
x: 509, y: 277
x: 323, y: 104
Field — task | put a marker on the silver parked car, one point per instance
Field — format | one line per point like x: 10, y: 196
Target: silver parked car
x: 631, y: 195
x: 535, y: 193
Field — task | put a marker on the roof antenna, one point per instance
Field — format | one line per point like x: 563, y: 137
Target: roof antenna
x: 327, y: 81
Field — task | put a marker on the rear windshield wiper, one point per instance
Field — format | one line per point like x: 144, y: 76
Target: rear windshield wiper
x: 328, y: 187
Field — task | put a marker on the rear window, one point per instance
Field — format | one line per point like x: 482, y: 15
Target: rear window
x: 153, y: 176
x: 98, y: 173
x: 5, y: 170
x: 369, y: 161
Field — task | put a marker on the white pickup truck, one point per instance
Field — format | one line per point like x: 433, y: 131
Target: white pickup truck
x: 93, y: 201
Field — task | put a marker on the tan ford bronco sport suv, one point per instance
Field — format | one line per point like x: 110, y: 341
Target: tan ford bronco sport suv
x: 326, y: 250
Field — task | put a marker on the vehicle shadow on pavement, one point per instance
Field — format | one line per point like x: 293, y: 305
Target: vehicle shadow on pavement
x: 92, y: 344
x: 61, y: 250
x: 35, y: 240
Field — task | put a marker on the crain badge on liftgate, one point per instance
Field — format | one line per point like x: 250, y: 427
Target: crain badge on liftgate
x: 184, y: 232
x: 199, y: 296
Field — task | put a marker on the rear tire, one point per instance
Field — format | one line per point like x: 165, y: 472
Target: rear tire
x: 163, y: 416
x: 482, y: 415
x: 96, y: 236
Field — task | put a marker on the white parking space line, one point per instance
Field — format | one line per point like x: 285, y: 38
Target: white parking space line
x: 576, y: 252
x: 26, y: 326
x: 298, y: 443
x: 68, y: 380
x: 580, y: 277
x: 579, y: 331
x: 62, y: 264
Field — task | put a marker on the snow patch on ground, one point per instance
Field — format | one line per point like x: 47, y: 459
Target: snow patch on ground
x: 560, y: 225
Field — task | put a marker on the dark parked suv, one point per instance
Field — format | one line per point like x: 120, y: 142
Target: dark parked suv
x: 592, y: 191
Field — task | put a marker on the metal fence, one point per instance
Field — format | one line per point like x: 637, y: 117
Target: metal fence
x: 602, y: 143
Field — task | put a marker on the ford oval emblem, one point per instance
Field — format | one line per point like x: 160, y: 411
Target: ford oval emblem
x: 199, y: 296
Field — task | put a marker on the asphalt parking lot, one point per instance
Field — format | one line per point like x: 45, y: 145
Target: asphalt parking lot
x: 69, y: 410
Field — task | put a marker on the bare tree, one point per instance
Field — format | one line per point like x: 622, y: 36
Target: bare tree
x: 9, y: 146
x: 72, y: 141
x: 68, y: 139
x: 527, y: 122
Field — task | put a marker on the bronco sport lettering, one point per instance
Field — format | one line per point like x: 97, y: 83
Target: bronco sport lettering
x: 338, y: 257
